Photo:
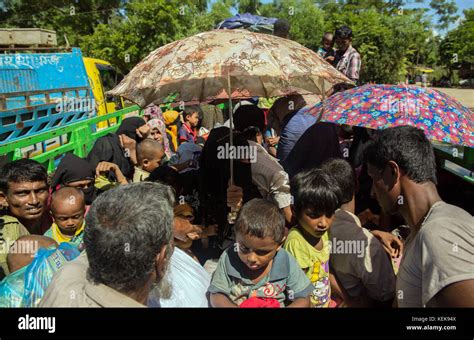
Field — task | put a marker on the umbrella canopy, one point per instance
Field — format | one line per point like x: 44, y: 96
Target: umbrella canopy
x: 441, y: 117
x: 200, y: 68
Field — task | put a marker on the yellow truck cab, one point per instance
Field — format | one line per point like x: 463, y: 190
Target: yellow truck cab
x: 45, y: 89
x: 102, y: 78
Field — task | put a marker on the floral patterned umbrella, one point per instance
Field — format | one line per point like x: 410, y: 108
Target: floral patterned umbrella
x: 201, y: 68
x: 441, y: 117
x: 228, y: 64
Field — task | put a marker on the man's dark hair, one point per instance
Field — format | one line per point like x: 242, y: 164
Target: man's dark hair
x: 343, y: 32
x: 281, y: 28
x: 22, y: 170
x: 343, y: 173
x: 249, y: 116
x: 316, y: 191
x: 169, y: 176
x: 261, y: 218
x: 126, y: 228
x: 409, y: 148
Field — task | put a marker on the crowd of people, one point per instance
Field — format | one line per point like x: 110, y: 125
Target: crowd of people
x: 326, y: 216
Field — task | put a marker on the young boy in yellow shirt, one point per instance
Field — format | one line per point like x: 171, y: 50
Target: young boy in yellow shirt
x: 316, y: 198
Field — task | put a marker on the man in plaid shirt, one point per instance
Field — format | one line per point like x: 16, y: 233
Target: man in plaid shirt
x: 347, y: 59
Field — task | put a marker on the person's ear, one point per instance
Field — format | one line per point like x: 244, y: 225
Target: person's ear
x: 146, y: 162
x: 162, y: 259
x: 393, y: 174
x: 138, y: 132
x: 3, y: 200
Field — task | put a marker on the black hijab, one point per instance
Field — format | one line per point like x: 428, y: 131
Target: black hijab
x: 72, y: 169
x: 109, y: 149
x: 129, y: 126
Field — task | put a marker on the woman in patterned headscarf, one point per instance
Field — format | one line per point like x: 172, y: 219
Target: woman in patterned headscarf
x: 152, y: 111
x: 158, y: 132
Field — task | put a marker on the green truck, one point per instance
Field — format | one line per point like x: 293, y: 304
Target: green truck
x: 82, y: 135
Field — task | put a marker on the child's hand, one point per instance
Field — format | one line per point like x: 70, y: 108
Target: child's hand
x: 104, y: 167
x: 391, y: 243
x: 330, y: 59
x: 272, y: 141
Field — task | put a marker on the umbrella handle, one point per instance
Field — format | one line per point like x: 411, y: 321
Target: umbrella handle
x: 231, y: 127
x: 232, y: 215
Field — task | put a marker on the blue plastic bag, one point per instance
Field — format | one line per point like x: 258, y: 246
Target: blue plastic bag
x: 40, y: 272
x: 26, y: 286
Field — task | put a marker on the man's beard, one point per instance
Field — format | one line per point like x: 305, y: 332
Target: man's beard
x: 163, y: 288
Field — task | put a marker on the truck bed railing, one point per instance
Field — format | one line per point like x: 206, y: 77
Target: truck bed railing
x: 78, y: 138
x: 27, y: 113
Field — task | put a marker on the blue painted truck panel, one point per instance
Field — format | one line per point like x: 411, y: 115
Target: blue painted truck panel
x: 39, y: 91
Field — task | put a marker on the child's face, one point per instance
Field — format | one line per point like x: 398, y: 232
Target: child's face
x: 328, y: 42
x: 193, y: 119
x: 256, y: 252
x: 316, y: 226
x: 68, y: 215
x: 153, y: 163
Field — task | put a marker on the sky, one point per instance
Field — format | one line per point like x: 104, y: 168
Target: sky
x: 462, y: 5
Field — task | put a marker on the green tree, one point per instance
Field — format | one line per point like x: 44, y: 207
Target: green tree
x: 446, y: 10
x: 457, y: 48
x: 246, y: 6
x: 306, y: 20
x: 147, y: 25
x: 67, y: 17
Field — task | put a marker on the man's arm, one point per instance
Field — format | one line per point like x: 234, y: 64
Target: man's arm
x: 458, y: 294
x: 354, y: 67
x: 221, y: 301
x: 290, y: 221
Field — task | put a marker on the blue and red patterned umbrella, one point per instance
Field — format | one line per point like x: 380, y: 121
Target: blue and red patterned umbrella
x: 441, y: 117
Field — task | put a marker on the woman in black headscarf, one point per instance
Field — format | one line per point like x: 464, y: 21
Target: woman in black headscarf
x: 214, y: 176
x: 76, y: 172
x: 119, y: 148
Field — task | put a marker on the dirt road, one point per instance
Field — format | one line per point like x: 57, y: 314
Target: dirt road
x: 465, y: 96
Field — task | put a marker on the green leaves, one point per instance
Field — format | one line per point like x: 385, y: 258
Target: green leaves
x: 457, y: 47
x: 124, y: 32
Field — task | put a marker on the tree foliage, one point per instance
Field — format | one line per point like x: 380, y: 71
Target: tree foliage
x: 391, y: 40
x: 74, y: 19
x: 457, y: 48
